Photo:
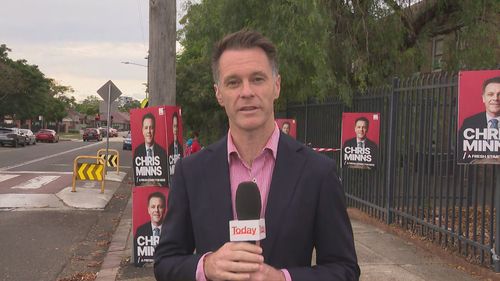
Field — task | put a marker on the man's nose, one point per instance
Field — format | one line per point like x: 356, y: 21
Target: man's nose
x: 246, y: 89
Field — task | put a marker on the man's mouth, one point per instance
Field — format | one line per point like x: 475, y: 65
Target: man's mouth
x: 248, y: 108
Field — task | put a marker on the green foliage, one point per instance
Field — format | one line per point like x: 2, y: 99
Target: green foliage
x: 89, y: 106
x: 130, y: 105
x: 331, y: 48
x: 26, y: 93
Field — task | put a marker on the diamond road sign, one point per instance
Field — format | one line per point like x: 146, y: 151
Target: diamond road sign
x: 109, y: 89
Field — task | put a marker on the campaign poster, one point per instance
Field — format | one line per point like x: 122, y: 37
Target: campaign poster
x: 175, y: 142
x: 288, y: 127
x: 360, y: 139
x: 149, y: 146
x: 478, y: 138
x: 149, y: 211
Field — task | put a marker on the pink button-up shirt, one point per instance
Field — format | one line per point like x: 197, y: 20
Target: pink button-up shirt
x: 260, y: 172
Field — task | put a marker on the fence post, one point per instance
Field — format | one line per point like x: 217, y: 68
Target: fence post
x: 496, y: 250
x: 391, y: 149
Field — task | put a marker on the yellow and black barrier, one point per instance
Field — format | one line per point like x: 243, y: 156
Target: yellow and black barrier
x: 88, y: 171
x: 113, y: 158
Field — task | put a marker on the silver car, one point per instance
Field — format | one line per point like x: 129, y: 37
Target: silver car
x: 28, y: 135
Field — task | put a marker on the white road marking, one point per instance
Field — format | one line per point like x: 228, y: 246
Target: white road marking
x: 6, y: 177
x: 47, y: 157
x: 36, y: 182
x: 36, y: 172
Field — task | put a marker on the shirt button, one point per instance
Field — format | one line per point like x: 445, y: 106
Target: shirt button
x: 254, y: 180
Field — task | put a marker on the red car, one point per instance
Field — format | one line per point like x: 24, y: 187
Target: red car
x: 47, y: 135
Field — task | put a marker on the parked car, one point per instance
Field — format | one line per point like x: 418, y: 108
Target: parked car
x: 127, y: 142
x: 47, y: 135
x: 102, y: 130
x: 11, y: 136
x: 28, y: 136
x: 92, y: 134
x: 113, y: 132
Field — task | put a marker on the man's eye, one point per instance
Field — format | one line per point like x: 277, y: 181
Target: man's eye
x: 232, y: 83
x: 258, y: 79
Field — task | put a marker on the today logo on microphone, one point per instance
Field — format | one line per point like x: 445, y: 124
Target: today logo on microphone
x: 246, y: 230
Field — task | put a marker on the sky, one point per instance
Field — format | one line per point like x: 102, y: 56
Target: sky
x: 82, y: 43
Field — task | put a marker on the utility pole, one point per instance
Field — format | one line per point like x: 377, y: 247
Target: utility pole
x: 161, y: 59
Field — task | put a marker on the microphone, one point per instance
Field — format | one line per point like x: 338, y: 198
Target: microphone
x: 249, y: 226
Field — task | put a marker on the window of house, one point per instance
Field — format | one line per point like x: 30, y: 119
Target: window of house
x: 437, y: 53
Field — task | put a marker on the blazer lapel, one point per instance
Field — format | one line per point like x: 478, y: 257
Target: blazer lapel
x: 287, y: 170
x: 218, y: 186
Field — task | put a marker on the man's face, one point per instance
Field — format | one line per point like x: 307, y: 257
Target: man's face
x: 286, y: 128
x: 156, y: 210
x: 148, y: 131
x: 361, y: 129
x: 247, y: 89
x: 174, y: 126
x: 491, y: 99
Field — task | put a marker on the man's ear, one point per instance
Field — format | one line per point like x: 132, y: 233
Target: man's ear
x: 218, y: 95
x: 277, y: 85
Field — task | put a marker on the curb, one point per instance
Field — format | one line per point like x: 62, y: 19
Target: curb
x: 117, y: 248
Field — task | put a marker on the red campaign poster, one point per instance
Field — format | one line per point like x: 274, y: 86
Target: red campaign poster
x: 157, y: 146
x: 478, y: 138
x: 360, y: 139
x: 175, y: 149
x: 149, y: 211
x: 288, y: 126
x: 149, y: 146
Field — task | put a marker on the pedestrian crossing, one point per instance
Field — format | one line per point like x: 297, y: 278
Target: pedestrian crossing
x: 34, y: 182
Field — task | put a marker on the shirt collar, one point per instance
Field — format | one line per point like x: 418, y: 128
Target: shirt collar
x: 271, y: 145
x: 488, y: 118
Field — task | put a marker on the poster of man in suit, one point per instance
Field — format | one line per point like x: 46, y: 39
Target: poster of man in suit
x: 360, y: 139
x: 288, y: 127
x: 175, y: 147
x: 148, y: 144
x: 151, y: 205
x: 478, y: 139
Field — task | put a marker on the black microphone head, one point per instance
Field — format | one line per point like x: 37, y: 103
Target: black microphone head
x: 248, y: 203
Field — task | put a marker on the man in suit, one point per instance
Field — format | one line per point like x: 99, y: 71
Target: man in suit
x: 360, y: 150
x: 175, y: 150
x: 147, y: 235
x: 285, y: 128
x: 302, y: 197
x: 150, y: 159
x: 478, y: 139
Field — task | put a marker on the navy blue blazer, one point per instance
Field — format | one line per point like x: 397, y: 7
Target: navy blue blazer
x: 305, y: 210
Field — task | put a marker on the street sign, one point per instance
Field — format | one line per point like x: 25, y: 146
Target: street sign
x: 109, y: 90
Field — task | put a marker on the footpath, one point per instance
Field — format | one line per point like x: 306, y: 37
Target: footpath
x: 382, y: 256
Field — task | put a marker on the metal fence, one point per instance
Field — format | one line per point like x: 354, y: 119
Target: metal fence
x: 418, y: 184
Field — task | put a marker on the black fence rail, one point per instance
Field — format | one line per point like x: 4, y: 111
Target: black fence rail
x: 417, y: 184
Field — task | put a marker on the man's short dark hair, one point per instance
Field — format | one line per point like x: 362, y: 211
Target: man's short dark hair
x: 490, y: 81
x: 160, y: 195
x: 363, y: 119
x: 149, y: 115
x: 243, y: 39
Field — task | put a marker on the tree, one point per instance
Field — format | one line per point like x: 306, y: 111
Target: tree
x: 333, y: 48
x: 130, y: 105
x: 89, y: 106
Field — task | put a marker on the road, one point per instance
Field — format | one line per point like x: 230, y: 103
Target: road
x: 50, y: 243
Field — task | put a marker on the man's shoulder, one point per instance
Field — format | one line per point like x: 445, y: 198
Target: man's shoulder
x: 370, y: 142
x: 350, y: 142
x: 140, y: 149
x: 144, y: 228
x: 478, y: 119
